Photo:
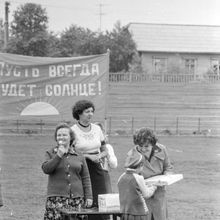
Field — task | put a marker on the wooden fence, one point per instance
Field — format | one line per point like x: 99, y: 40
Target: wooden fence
x: 181, y: 125
x: 164, y: 78
x: 126, y: 125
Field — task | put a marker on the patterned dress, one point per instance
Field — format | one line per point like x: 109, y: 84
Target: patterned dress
x: 53, y: 204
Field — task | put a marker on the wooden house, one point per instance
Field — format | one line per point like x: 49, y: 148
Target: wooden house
x: 178, y: 49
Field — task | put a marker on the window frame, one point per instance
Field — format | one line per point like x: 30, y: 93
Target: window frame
x: 218, y: 64
x: 164, y: 66
x: 188, y: 68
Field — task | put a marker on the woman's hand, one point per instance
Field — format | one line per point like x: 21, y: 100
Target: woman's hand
x: 61, y: 151
x: 88, y: 203
x: 93, y: 157
x: 151, y: 190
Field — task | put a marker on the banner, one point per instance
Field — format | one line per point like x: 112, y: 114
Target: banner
x: 48, y: 87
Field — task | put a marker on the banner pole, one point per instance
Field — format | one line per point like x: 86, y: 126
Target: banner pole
x: 107, y: 93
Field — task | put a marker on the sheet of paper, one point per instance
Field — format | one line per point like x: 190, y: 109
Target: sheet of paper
x: 163, y: 180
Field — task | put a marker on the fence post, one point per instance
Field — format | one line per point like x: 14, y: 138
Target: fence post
x: 17, y: 126
x: 41, y: 126
x: 163, y: 77
x: 155, y: 124
x: 177, y: 125
x: 110, y: 124
x: 199, y: 125
x: 132, y: 125
x: 130, y: 77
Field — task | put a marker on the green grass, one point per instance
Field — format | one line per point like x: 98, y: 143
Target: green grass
x: 195, y: 197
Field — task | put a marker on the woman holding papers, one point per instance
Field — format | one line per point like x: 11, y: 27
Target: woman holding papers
x: 156, y: 162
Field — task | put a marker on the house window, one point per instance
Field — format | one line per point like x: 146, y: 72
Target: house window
x: 160, y: 65
x: 190, y: 65
x: 215, y: 66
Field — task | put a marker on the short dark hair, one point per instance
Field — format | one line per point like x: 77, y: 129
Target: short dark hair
x: 142, y: 135
x: 80, y: 106
x: 65, y: 125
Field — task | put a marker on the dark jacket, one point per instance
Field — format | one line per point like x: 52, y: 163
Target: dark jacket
x: 68, y: 176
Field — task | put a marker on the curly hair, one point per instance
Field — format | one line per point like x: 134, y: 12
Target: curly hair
x: 142, y: 135
x: 80, y: 106
x: 65, y: 125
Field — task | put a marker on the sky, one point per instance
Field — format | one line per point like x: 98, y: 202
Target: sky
x: 103, y: 14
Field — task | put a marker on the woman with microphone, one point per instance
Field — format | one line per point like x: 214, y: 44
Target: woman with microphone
x: 69, y: 184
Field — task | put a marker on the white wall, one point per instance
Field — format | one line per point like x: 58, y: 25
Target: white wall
x: 203, y: 61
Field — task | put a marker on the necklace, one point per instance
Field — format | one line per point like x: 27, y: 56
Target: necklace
x: 84, y: 126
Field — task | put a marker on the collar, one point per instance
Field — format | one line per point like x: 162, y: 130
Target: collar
x: 70, y: 151
x: 157, y: 148
x: 158, y: 151
x: 129, y: 170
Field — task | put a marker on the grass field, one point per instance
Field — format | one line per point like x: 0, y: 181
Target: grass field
x: 195, y: 197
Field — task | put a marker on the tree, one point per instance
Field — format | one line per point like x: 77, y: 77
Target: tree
x: 122, y: 47
x: 29, y: 34
x: 77, y: 41
x: 1, y: 35
x: 53, y: 45
x: 135, y: 66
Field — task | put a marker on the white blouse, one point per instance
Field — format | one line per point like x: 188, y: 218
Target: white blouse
x: 88, y: 142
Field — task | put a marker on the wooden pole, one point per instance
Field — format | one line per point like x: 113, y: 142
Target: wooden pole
x: 177, y: 125
x: 6, y: 24
x: 107, y: 92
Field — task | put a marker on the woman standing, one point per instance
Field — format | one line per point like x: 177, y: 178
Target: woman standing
x: 91, y: 142
x: 156, y: 162
x: 69, y: 183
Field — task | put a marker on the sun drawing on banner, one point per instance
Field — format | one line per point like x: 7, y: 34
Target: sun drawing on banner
x: 39, y: 108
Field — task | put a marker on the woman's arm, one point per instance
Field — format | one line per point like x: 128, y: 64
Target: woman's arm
x: 50, y: 163
x: 86, y: 181
x: 97, y: 157
x: 168, y: 167
x: 112, y: 159
x: 147, y: 191
x: 103, y: 151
